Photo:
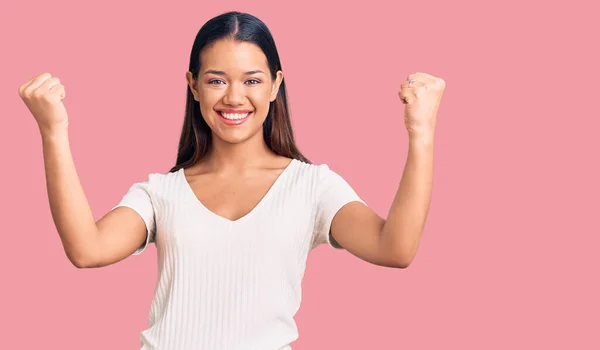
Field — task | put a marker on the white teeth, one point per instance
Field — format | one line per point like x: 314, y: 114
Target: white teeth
x: 234, y: 116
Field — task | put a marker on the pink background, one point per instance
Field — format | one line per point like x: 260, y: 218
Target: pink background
x: 509, y: 257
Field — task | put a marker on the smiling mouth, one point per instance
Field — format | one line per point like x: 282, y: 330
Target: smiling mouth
x: 236, y: 118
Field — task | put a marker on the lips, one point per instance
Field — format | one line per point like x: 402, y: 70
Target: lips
x: 241, y: 111
x: 234, y: 117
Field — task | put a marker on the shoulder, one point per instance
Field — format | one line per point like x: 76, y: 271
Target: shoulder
x: 318, y: 178
x: 156, y: 182
x: 321, y: 172
x: 157, y: 178
x: 314, y: 171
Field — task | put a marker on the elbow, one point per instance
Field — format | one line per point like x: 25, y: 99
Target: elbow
x: 404, y: 254
x: 80, y: 261
x: 401, y: 249
x: 402, y: 259
x: 401, y: 264
x: 81, y: 254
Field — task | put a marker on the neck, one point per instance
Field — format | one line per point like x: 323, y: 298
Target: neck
x: 226, y: 157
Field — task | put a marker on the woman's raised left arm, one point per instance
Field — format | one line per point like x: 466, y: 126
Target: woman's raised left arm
x: 393, y: 242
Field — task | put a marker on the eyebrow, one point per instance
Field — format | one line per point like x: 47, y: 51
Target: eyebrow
x: 219, y: 72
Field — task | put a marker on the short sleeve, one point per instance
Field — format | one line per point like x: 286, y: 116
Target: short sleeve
x: 139, y: 198
x: 333, y: 192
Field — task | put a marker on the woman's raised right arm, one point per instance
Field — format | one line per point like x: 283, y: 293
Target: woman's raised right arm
x: 87, y: 243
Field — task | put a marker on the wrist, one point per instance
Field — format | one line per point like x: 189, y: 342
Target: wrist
x: 421, y: 138
x: 54, y: 132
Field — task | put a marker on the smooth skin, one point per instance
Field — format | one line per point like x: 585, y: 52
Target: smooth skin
x: 240, y: 169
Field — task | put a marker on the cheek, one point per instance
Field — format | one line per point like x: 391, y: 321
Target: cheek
x: 210, y: 97
x: 260, y: 98
x: 208, y: 100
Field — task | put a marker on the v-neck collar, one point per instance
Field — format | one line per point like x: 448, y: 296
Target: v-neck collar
x: 258, y: 205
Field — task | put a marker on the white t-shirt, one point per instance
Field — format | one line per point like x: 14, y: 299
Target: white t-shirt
x: 233, y: 285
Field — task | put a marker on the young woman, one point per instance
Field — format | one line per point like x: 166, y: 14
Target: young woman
x: 234, y: 220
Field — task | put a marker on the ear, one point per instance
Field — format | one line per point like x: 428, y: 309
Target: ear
x: 192, y: 84
x: 276, y: 84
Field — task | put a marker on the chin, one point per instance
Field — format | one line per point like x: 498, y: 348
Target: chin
x: 234, y: 139
x: 238, y: 136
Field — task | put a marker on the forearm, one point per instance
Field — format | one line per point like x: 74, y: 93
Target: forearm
x: 408, y: 213
x: 68, y: 204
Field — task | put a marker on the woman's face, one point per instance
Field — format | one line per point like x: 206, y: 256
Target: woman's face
x: 234, y: 89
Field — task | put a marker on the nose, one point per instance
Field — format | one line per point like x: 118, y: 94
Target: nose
x: 234, y: 96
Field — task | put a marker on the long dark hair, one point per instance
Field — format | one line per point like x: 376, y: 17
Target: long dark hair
x: 196, y: 136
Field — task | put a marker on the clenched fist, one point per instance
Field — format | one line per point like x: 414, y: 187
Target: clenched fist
x: 43, y: 95
x: 422, y: 94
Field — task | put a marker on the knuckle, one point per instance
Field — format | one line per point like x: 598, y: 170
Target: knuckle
x: 439, y: 84
x: 47, y: 97
x: 36, y: 94
x: 28, y: 93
